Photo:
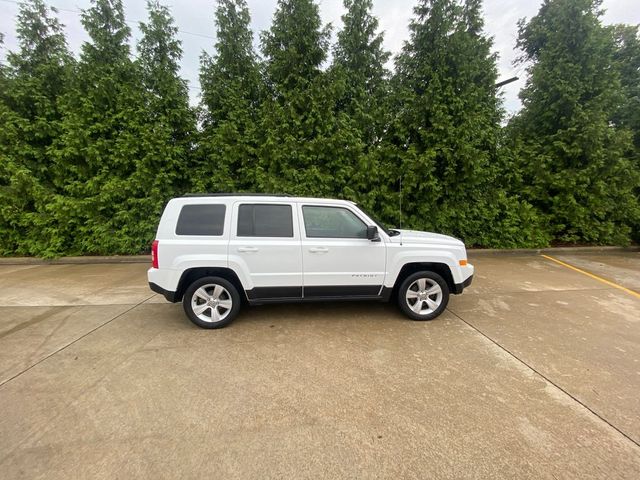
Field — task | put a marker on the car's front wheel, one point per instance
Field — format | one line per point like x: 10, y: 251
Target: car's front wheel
x: 211, y: 302
x: 423, y: 295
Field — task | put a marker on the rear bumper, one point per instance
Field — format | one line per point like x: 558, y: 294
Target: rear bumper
x: 459, y: 287
x: 170, y: 296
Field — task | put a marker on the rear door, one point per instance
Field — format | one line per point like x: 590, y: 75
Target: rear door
x: 338, y: 259
x: 265, y: 244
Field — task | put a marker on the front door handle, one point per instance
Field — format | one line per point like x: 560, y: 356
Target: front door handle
x: 318, y: 249
x: 247, y: 249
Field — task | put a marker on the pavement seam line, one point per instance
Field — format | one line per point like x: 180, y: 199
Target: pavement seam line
x: 517, y: 292
x: 76, y: 340
x: 575, y: 399
x: 592, y: 275
x: 67, y: 305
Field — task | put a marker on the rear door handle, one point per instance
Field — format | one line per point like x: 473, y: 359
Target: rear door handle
x: 247, y: 249
x: 318, y: 250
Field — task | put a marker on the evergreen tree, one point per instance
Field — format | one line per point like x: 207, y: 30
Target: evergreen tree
x: 99, y: 150
x: 627, y: 61
x: 3, y: 68
x: 32, y: 83
x: 232, y: 75
x: 296, y: 45
x: 7, y: 214
x: 423, y: 75
x: 304, y: 146
x: 166, y: 130
x: 359, y: 66
x: 575, y: 160
x: 230, y: 99
x: 447, y: 129
x: 359, y: 50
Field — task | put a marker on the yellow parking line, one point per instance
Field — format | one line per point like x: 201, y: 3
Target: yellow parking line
x: 596, y: 277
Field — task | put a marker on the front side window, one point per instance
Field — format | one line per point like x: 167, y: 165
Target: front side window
x: 332, y: 222
x: 201, y: 220
x: 256, y: 220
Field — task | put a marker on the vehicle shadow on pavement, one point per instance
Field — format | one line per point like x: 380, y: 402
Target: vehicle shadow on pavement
x: 334, y: 312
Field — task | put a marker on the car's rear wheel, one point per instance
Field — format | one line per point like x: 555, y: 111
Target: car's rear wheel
x: 211, y: 302
x: 423, y: 295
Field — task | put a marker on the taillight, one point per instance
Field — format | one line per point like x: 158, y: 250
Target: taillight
x: 154, y: 254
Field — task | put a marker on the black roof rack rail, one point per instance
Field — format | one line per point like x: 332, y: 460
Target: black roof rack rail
x: 236, y: 194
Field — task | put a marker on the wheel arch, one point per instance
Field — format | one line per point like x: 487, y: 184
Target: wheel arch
x: 192, y: 274
x: 407, y: 269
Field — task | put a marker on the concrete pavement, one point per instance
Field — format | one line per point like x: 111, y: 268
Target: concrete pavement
x: 531, y: 373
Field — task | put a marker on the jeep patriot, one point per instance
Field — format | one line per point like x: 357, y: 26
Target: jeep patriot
x: 215, y: 252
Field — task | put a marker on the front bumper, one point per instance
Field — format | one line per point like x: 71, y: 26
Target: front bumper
x: 170, y: 296
x: 459, y: 287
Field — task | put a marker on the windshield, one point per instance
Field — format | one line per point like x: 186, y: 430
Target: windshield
x: 388, y: 231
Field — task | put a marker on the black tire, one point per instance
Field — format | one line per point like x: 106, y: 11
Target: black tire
x: 431, y: 279
x: 226, y: 315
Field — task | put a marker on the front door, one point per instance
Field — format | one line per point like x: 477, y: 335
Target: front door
x: 338, y: 259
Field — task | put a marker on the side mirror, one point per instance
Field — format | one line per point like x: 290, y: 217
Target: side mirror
x: 372, y: 233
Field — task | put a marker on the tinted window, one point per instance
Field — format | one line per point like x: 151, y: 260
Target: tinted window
x: 332, y: 222
x: 201, y: 220
x: 265, y: 221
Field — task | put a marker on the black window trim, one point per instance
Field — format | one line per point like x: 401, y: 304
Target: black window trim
x: 224, y: 219
x: 342, y: 207
x: 277, y: 204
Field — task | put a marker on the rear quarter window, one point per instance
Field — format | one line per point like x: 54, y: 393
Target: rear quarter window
x: 201, y: 220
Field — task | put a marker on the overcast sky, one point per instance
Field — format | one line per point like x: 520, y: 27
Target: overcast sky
x: 194, y: 18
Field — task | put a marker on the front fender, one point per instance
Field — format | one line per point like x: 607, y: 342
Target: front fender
x: 405, y: 257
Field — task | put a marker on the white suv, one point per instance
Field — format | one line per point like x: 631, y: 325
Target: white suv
x: 215, y: 252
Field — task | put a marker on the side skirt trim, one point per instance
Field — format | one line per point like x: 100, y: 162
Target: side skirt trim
x: 262, y: 301
x: 342, y: 291
x: 265, y: 293
x: 258, y: 295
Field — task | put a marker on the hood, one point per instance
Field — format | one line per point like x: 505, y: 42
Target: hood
x: 416, y: 236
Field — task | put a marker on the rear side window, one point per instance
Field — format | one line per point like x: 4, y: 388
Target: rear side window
x: 201, y: 220
x: 256, y: 220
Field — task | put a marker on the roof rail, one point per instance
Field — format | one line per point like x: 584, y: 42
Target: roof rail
x: 236, y: 194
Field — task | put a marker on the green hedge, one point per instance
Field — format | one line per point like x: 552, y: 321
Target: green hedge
x: 91, y: 148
